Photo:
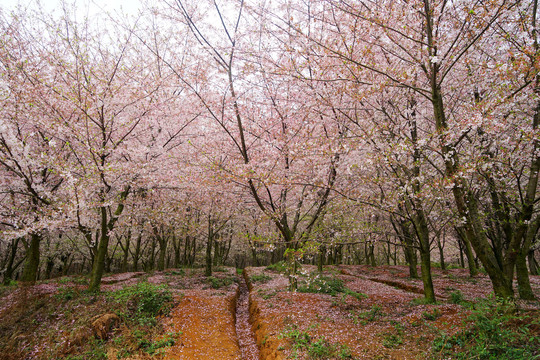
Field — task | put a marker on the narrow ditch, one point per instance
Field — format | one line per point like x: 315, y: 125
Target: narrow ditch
x: 244, y: 331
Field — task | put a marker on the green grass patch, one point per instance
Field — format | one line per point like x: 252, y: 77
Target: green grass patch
x: 217, y: 283
x: 327, y: 285
x: 432, y: 315
x: 420, y: 301
x: 314, y: 348
x: 494, y: 330
x: 373, y: 314
x: 280, y: 267
x: 145, y: 301
x: 262, y: 278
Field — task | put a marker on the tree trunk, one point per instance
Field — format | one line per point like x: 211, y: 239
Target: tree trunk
x: 404, y: 234
x: 137, y: 253
x: 176, y: 247
x: 208, y: 268
x: 49, y: 267
x: 125, y: 249
x: 422, y: 232
x: 162, y: 253
x: 534, y: 268
x: 461, y: 258
x: 473, y: 269
x: 10, y: 268
x: 441, y: 253
x: 103, y: 246
x: 99, y: 260
x: 193, y: 251
x: 31, y: 266
x: 524, y: 286
x: 371, y: 249
x: 320, y: 262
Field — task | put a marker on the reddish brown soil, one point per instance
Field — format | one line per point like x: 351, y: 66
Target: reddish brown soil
x: 216, y: 324
x: 207, y: 325
x: 345, y: 320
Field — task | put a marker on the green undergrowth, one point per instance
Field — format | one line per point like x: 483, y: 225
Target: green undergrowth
x: 280, y: 267
x: 493, y: 330
x: 144, y: 302
x: 302, y: 342
x: 61, y: 324
x: 219, y: 282
x: 315, y: 283
x: 364, y: 317
x: 262, y: 278
x: 5, y: 289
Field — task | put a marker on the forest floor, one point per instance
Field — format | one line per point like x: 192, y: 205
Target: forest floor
x: 346, y: 312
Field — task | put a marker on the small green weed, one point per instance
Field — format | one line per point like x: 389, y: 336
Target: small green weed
x: 177, y: 272
x: 365, y: 317
x: 321, y: 348
x: 495, y: 331
x: 217, y: 283
x: 392, y: 341
x: 263, y: 278
x: 420, y: 301
x: 456, y: 297
x: 267, y: 294
x: 279, y: 267
x: 159, y: 346
x: 327, y: 285
x: 146, y: 301
x: 66, y: 293
x: 433, y: 315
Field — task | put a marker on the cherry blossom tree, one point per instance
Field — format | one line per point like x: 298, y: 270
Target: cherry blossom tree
x: 430, y: 48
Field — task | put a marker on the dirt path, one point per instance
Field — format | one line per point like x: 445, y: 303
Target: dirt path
x: 206, y: 323
x: 214, y: 324
x: 244, y: 331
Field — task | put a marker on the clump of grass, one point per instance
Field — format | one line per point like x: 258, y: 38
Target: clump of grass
x: 323, y: 285
x: 177, y: 272
x: 456, y: 297
x: 262, y: 278
x: 321, y: 348
x: 139, y: 306
x: 267, y: 294
x: 495, y: 331
x: 432, y: 315
x: 159, y: 346
x: 368, y: 316
x: 392, y: 341
x: 327, y: 285
x: 66, y: 293
x: 145, y: 301
x: 217, y: 283
x: 279, y: 267
x: 420, y: 301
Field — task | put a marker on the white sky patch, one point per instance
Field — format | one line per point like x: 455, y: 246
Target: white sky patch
x: 84, y: 8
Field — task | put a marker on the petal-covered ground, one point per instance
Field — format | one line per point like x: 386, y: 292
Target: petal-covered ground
x: 386, y: 323
x: 364, y: 313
